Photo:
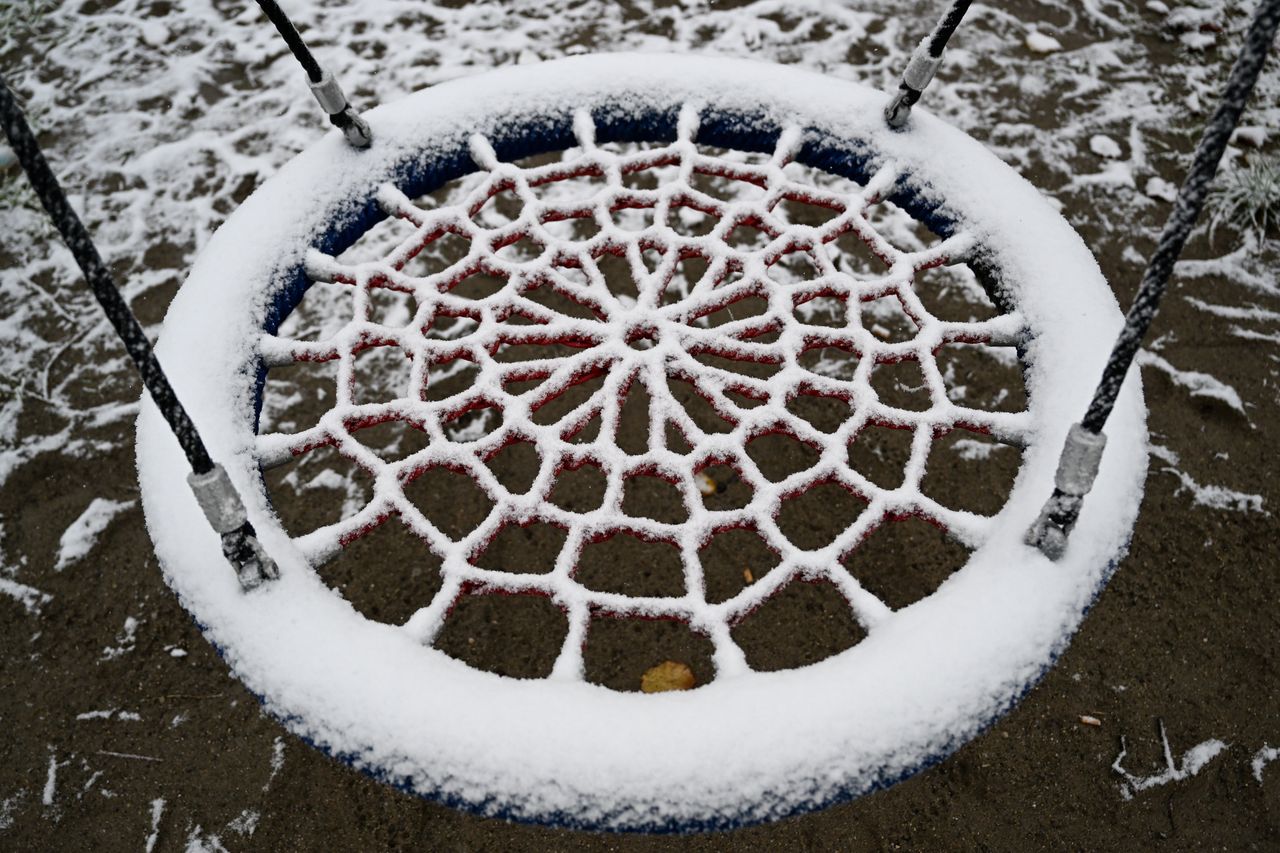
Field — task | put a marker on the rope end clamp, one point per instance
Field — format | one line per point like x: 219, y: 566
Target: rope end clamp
x: 225, y: 511
x: 1077, y: 469
x: 344, y: 117
x: 919, y: 73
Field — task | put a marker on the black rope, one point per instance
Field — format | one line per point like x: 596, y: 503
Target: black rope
x: 1080, y: 457
x: 947, y: 27
x: 1186, y: 209
x: 291, y: 37
x: 923, y: 64
x: 73, y: 232
x: 239, y: 540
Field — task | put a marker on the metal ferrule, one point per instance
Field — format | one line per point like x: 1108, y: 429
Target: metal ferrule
x: 328, y: 93
x: 1081, y: 456
x: 921, y: 68
x: 218, y: 499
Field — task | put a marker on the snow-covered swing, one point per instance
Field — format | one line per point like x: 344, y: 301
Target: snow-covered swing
x: 925, y: 679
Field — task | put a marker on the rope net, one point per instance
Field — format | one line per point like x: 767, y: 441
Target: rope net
x: 538, y: 303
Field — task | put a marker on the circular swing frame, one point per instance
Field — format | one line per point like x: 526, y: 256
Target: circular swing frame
x: 927, y: 678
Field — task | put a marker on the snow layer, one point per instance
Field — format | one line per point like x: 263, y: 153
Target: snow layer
x: 926, y: 679
x: 1193, y: 761
x: 78, y: 539
x: 1264, y: 756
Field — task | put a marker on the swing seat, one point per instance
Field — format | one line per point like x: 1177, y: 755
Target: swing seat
x: 927, y: 677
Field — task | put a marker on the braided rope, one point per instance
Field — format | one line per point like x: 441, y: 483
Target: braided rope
x: 220, y: 502
x: 1082, y: 453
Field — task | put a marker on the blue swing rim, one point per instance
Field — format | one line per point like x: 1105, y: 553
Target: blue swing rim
x: 755, y: 131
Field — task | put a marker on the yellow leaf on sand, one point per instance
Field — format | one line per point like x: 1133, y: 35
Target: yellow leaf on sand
x: 668, y: 675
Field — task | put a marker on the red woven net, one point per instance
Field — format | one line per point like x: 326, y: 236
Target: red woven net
x: 737, y: 296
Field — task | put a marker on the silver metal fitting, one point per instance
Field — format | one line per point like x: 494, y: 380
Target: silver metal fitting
x: 898, y: 110
x: 921, y: 68
x: 1047, y: 533
x: 328, y: 93
x: 218, y: 499
x: 1081, y: 456
x: 356, y: 130
x: 334, y: 102
x: 222, y: 506
x: 1077, y: 469
x: 254, y: 566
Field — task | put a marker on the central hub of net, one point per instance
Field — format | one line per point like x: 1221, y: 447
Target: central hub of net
x: 650, y: 317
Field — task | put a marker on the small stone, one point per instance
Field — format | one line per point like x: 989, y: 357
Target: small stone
x: 668, y: 675
x: 747, y: 576
x: 1104, y: 146
x: 1249, y: 134
x: 1090, y: 721
x: 177, y: 653
x: 1038, y: 42
x: 1162, y: 189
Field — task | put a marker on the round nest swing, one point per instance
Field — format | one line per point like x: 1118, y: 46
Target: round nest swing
x: 925, y: 678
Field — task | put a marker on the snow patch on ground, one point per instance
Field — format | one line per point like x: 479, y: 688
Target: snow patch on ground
x: 50, y: 779
x: 1161, y: 189
x: 130, y: 716
x: 1199, y: 384
x: 28, y: 596
x: 277, y: 761
x: 1212, y: 497
x: 198, y: 842
x: 78, y: 539
x: 157, y: 809
x: 970, y: 449
x: 1038, y: 42
x: 1104, y: 146
x: 6, y: 811
x: 1193, y: 761
x: 126, y: 639
x: 245, y: 823
x: 1262, y: 758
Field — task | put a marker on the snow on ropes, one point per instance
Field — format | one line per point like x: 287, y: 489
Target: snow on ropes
x: 735, y: 144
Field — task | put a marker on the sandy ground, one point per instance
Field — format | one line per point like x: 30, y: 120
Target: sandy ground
x: 1184, y: 637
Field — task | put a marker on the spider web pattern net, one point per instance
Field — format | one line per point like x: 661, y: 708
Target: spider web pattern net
x: 618, y: 342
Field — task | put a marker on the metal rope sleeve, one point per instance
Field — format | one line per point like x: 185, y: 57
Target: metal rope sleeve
x: 77, y: 238
x: 923, y: 64
x: 1079, y: 462
x: 217, y: 498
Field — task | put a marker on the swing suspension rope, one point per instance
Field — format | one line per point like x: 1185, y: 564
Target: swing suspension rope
x: 214, y: 492
x: 1082, y: 453
x: 1080, y: 458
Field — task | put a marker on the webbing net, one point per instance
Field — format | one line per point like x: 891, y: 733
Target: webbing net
x: 736, y: 315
